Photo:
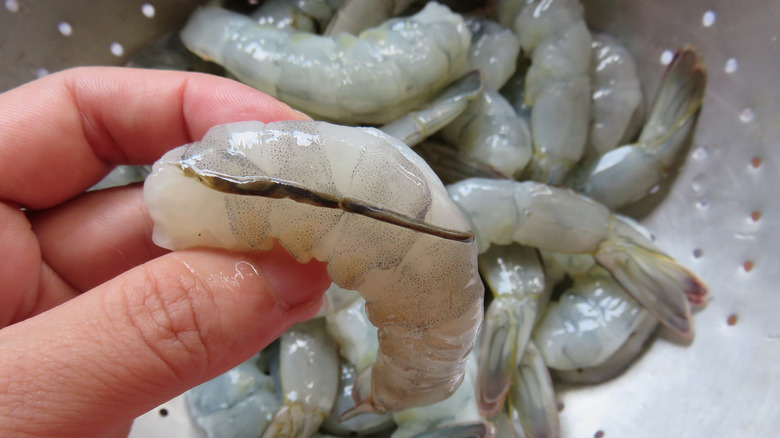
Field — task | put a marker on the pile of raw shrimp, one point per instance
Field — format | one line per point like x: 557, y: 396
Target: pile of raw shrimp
x: 539, y: 129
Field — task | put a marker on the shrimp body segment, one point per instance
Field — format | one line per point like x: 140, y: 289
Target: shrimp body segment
x: 372, y: 78
x: 560, y: 220
x: 419, y: 279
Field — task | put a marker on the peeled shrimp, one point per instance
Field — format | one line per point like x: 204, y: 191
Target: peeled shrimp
x: 493, y: 51
x: 560, y: 220
x: 616, y: 110
x: 356, y: 198
x: 374, y: 78
x: 491, y: 131
x: 355, y: 16
x: 304, y: 15
x: 553, y: 33
x: 629, y: 172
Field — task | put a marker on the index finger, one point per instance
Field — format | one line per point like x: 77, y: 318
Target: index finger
x: 60, y: 134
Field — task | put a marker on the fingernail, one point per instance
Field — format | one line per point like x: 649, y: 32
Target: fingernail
x: 302, y: 116
x: 291, y: 282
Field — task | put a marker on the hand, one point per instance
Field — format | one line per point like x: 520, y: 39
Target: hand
x: 100, y: 325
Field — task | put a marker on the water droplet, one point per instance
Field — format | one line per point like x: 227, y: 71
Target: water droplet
x: 708, y: 19
x: 117, y: 49
x: 667, y: 57
x: 12, y: 5
x: 148, y: 10
x: 65, y: 28
x: 747, y: 115
x: 41, y: 72
x: 699, y: 153
x: 702, y: 203
x: 731, y: 65
x: 697, y: 253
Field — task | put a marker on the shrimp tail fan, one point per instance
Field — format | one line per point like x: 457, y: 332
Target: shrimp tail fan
x: 658, y: 282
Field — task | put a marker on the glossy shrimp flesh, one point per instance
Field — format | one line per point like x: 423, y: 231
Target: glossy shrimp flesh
x: 554, y: 35
x: 357, y: 199
x: 373, y: 78
x: 560, y: 220
x: 629, y: 172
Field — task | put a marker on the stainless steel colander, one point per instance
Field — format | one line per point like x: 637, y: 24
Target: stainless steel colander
x: 718, y: 215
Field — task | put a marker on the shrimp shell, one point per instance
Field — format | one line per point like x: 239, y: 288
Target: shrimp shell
x: 422, y: 291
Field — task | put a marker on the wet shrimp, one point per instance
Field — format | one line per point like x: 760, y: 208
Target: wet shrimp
x: 629, y: 172
x: 491, y: 131
x: 355, y: 16
x: 238, y: 403
x: 418, y: 125
x: 304, y: 15
x: 515, y: 275
x: 357, y: 199
x: 493, y: 51
x: 309, y: 372
x: 560, y: 220
x: 590, y: 321
x: 531, y: 403
x: 616, y: 104
x: 553, y: 33
x: 374, y: 78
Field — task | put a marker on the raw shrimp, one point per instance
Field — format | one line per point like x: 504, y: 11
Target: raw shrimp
x: 415, y: 127
x: 303, y: 15
x: 493, y: 50
x: 532, y: 403
x: 452, y: 165
x: 355, y: 16
x: 559, y: 220
x: 238, y: 403
x: 358, y: 344
x: 616, y: 110
x: 457, y: 416
x: 554, y: 34
x: 309, y: 371
x: 356, y: 198
x: 516, y: 277
x: 491, y: 131
x: 377, y: 77
x: 629, y: 172
x: 589, y: 322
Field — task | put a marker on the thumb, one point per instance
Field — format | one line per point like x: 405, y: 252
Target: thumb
x: 90, y: 366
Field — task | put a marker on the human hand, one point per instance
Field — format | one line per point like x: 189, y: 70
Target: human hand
x: 100, y: 325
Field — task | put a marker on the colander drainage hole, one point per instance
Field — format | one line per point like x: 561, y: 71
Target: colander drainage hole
x: 697, y: 253
x: 599, y: 434
x: 755, y: 216
x: 117, y: 49
x: 163, y: 412
x: 748, y: 266
x: 755, y: 162
x: 732, y: 319
x: 65, y: 28
x: 148, y: 10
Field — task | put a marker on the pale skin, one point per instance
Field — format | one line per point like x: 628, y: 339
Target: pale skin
x: 98, y: 324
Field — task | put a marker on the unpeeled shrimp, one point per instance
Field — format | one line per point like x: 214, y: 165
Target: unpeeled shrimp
x: 355, y: 16
x: 374, y: 78
x: 560, y: 220
x: 356, y: 198
x: 304, y: 15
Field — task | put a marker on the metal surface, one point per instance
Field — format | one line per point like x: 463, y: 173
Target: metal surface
x: 718, y: 215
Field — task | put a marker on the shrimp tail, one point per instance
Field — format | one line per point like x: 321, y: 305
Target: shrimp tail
x: 532, y: 399
x: 663, y: 286
x: 292, y: 420
x: 505, y: 333
x: 361, y: 394
x: 679, y: 98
